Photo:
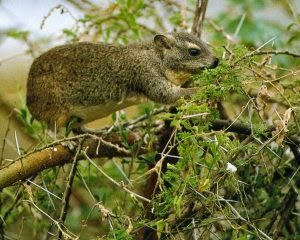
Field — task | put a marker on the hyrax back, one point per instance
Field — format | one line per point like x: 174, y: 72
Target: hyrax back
x: 90, y: 80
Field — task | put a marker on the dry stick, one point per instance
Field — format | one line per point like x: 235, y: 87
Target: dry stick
x: 286, y: 75
x: 67, y: 234
x: 288, y: 203
x: 254, y: 51
x: 57, y: 7
x: 270, y: 100
x: 237, y: 30
x: 5, y: 136
x: 68, y: 190
x: 17, y: 197
x: 164, y: 154
x: 196, y: 17
x: 158, y: 166
x: 222, y: 31
x: 86, y: 186
x: 287, y: 207
x: 274, y: 52
x: 199, y: 16
x: 145, y: 116
x: 130, y: 124
x: 121, y: 185
x: 237, y: 214
x: 280, y: 93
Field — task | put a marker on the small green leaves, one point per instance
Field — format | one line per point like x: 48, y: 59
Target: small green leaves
x: 33, y: 128
x: 18, y: 34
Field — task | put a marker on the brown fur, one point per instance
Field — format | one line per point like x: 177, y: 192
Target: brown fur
x: 90, y: 80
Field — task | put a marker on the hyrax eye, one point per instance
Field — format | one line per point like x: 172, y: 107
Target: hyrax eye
x: 194, y: 52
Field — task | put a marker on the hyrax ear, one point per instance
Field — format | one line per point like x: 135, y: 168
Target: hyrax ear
x: 163, y: 41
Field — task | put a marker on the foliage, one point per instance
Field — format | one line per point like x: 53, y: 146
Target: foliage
x: 212, y: 183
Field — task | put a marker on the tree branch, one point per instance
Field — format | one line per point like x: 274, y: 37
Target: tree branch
x: 68, y: 190
x: 291, y: 140
x: 199, y: 16
x: 109, y: 147
x: 59, y: 155
x: 275, y: 52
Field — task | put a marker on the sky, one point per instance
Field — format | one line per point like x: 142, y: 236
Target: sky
x: 28, y: 15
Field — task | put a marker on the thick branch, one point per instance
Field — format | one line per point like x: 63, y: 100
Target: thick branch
x: 59, y: 155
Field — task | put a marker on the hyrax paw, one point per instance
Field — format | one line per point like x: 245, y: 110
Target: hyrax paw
x: 188, y: 92
x: 193, y: 90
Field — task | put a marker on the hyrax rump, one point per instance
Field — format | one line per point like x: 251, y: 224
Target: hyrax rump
x: 92, y: 80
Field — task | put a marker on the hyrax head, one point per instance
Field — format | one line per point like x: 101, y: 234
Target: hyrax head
x: 183, y: 52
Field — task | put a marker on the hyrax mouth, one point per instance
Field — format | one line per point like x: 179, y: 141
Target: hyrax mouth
x: 214, y: 64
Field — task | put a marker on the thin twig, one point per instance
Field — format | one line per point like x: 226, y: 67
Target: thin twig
x: 43, y: 188
x: 288, y: 204
x: 67, y: 234
x: 120, y: 185
x: 239, y: 26
x: 286, y: 75
x: 5, y: 137
x: 17, y: 197
x: 236, y: 32
x: 86, y: 185
x: 68, y: 190
x: 17, y: 144
x: 57, y: 7
x: 145, y: 116
x: 275, y: 52
x: 254, y: 51
x: 222, y: 31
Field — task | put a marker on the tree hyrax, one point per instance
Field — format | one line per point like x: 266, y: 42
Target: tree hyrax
x: 92, y: 80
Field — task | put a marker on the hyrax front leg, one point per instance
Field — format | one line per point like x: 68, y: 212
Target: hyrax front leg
x: 165, y: 92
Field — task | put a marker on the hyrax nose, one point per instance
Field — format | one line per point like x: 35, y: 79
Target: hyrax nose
x: 215, y: 63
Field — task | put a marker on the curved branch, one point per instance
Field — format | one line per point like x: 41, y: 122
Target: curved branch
x: 59, y: 155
